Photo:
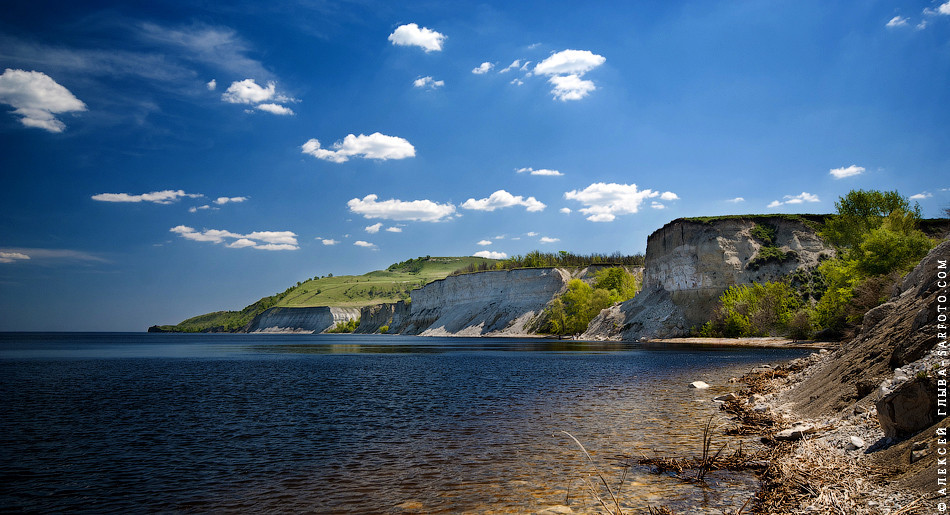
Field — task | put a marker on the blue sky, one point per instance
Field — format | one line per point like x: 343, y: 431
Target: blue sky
x: 176, y: 158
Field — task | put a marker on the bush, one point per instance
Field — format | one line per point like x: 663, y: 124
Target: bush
x: 345, y: 327
x: 754, y: 310
x: 384, y: 329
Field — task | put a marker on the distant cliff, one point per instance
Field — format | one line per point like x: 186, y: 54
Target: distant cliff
x: 690, y: 262
x: 300, y: 320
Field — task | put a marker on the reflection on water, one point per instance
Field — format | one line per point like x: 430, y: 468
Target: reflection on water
x: 345, y: 423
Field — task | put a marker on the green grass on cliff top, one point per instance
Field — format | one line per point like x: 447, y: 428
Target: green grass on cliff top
x: 390, y: 285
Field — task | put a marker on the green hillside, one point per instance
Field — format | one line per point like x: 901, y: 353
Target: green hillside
x: 390, y: 285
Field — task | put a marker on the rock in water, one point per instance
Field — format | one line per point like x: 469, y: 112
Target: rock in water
x: 699, y: 385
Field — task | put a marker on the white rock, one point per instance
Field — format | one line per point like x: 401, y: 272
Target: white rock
x: 856, y: 443
x: 727, y: 397
x: 699, y: 385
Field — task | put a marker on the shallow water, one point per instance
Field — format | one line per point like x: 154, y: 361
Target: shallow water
x: 350, y: 423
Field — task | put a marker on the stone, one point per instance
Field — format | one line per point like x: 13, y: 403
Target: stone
x: 796, y: 432
x: 699, y: 385
x: 908, y: 409
x: 916, y: 456
x: 856, y: 443
x: 920, y: 446
x: 726, y: 398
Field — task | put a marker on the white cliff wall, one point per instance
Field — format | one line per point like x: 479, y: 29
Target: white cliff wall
x: 301, y: 320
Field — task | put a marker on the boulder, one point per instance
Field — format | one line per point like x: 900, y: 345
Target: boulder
x: 727, y: 397
x: 796, y: 432
x: 908, y: 409
x: 699, y: 385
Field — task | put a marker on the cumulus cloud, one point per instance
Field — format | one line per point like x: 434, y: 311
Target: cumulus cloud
x: 794, y: 199
x: 36, y: 98
x: 194, y: 209
x: 897, y: 21
x: 569, y: 62
x: 373, y: 229
x: 736, y: 200
x: 542, y: 171
x: 516, y: 65
x: 501, y: 199
x: 364, y: 244
x: 565, y: 70
x: 212, y: 85
x: 483, y: 68
x: 394, y: 229
x: 605, y: 201
x: 566, y: 210
x: 841, y: 173
x: 375, y: 146
x: 262, y: 240
x: 247, y: 91
x: 328, y: 241
x: 411, y: 35
x: 922, y: 195
x: 400, y: 210
x: 669, y: 195
x: 545, y: 239
x: 226, y: 200
x: 428, y: 82
x: 275, y: 109
x: 484, y: 243
x: 570, y: 87
x: 657, y: 205
x: 12, y: 257
x: 156, y: 197
x: 490, y: 254
x: 531, y: 234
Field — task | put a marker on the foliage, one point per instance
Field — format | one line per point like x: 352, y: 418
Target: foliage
x: 347, y: 326
x: 895, y: 245
x: 562, y: 259
x: 755, y: 310
x: 859, y: 212
x: 384, y: 329
x: 764, y: 233
x: 573, y: 310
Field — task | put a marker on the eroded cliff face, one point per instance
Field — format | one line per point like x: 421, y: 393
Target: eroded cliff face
x: 300, y: 320
x: 690, y: 263
x: 390, y: 314
x: 496, y: 303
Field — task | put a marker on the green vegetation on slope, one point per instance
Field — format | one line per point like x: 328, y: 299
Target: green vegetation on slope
x: 390, y: 285
x: 878, y: 240
x: 574, y: 309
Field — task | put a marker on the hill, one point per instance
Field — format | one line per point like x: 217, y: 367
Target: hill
x: 389, y: 285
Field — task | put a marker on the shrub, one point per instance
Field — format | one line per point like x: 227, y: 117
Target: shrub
x: 754, y: 310
x: 384, y: 329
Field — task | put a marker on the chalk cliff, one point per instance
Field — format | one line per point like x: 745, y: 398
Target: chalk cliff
x: 300, y: 320
x: 690, y: 262
x: 496, y: 303
x: 390, y: 314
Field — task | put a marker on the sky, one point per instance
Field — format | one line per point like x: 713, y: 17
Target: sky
x: 169, y: 159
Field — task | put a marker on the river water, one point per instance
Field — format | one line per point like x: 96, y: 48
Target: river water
x: 351, y: 423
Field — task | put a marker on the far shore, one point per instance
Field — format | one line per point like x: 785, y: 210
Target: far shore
x: 765, y: 342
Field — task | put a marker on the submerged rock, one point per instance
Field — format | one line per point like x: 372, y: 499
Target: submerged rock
x: 699, y: 385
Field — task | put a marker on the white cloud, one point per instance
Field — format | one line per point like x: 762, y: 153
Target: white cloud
x: 669, y: 195
x: 531, y: 234
x: 225, y: 200
x: 11, y: 257
x: 605, y: 201
x: 484, y: 243
x: 428, y: 82
x: 490, y: 254
x: 921, y: 195
x: 542, y: 171
x: 157, y: 197
x: 411, y: 35
x: 262, y: 240
x: 373, y: 229
x: 212, y: 85
x: 275, y: 109
x: 364, y: 244
x: 545, y: 239
x: 841, y: 173
x: 570, y: 87
x: 247, y: 91
x: 483, y: 68
x: 569, y: 62
x: 499, y: 237
x: 392, y: 209
x: 944, y: 8
x: 36, y: 98
x: 795, y: 199
x: 513, y: 66
x: 566, y: 210
x: 897, y: 21
x: 736, y: 200
x: 194, y: 209
x: 657, y: 205
x: 921, y: 26
x: 517, y: 82
x: 501, y: 199
x: 328, y: 241
x: 394, y: 229
x: 565, y: 69
x: 375, y: 146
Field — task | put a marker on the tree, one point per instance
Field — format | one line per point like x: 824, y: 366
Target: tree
x: 860, y: 212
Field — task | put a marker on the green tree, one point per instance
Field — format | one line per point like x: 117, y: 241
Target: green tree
x: 622, y: 284
x: 859, y: 212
